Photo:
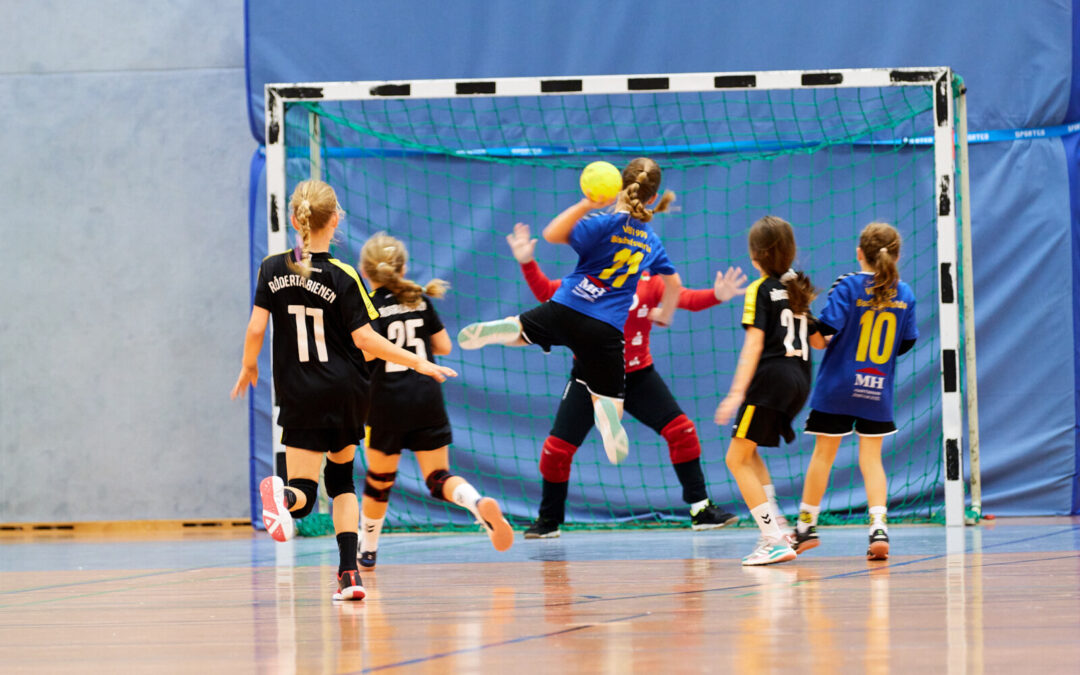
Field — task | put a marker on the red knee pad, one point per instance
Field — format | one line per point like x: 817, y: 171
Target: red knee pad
x: 682, y: 440
x: 555, y: 459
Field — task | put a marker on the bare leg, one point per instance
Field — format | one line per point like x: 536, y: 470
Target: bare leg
x: 817, y: 472
x: 877, y: 487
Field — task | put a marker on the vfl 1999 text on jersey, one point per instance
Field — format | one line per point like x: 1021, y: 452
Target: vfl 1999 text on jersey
x: 785, y: 356
x: 858, y: 370
x: 320, y: 378
x: 403, y: 399
x: 613, y: 250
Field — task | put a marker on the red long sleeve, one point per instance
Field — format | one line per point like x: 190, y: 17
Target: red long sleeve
x: 696, y: 300
x: 542, y: 287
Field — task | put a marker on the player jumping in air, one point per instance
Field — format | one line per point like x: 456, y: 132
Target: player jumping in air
x: 772, y: 379
x: 870, y: 320
x: 589, y: 310
x: 407, y: 409
x: 321, y: 315
x: 647, y: 397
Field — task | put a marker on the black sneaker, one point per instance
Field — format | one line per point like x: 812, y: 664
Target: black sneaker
x: 804, y: 541
x: 879, y: 545
x: 349, y: 586
x: 542, y: 529
x: 711, y: 517
x: 366, y: 559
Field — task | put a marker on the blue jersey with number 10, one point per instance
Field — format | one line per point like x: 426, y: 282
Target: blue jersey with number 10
x: 614, y: 249
x: 858, y: 371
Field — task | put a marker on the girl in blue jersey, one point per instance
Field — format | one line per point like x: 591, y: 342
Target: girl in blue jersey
x: 771, y: 381
x: 589, y: 310
x: 869, y: 320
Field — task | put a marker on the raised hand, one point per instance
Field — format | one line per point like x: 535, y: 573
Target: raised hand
x: 521, y: 244
x: 729, y: 284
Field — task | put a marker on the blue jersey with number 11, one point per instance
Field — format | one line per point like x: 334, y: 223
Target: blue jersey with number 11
x: 614, y: 250
x: 858, y: 371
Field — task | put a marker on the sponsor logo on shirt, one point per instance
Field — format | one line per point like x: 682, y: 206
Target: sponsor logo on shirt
x: 590, y: 288
x: 869, y: 383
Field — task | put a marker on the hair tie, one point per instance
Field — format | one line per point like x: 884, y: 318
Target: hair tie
x: 790, y: 275
x: 883, y: 250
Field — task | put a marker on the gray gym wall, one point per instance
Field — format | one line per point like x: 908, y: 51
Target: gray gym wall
x: 123, y: 217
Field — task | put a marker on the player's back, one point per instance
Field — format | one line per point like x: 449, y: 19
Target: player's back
x: 613, y: 250
x: 857, y: 373
x: 316, y: 365
x: 401, y: 397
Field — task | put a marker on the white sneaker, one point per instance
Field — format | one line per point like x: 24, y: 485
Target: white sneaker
x: 276, y: 517
x: 484, y: 333
x: 498, y: 530
x: 616, y: 443
x: 770, y: 551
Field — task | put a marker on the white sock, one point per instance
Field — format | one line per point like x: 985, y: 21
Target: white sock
x: 466, y: 497
x: 877, y: 518
x: 370, y: 529
x: 770, y: 494
x: 808, y: 516
x: 766, y: 521
x: 697, y: 506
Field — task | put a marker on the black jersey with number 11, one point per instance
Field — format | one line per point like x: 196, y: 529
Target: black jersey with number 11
x: 320, y: 378
x: 403, y: 399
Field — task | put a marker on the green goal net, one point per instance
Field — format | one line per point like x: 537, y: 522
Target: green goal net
x: 451, y: 174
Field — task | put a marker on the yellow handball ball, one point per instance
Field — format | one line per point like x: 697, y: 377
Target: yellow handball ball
x: 601, y: 181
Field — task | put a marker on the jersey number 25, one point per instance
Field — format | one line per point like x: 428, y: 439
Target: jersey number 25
x: 403, y: 334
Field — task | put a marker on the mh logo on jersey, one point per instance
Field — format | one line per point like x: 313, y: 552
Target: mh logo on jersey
x: 871, y: 378
x: 590, y: 288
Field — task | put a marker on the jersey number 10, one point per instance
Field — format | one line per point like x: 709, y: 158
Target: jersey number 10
x: 403, y: 334
x: 876, y: 336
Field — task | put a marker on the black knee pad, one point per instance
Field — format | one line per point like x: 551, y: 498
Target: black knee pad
x: 435, y: 481
x: 377, y: 493
x: 310, y: 489
x: 338, y: 478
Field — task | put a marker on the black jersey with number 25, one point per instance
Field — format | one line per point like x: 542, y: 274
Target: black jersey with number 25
x: 403, y: 399
x: 784, y: 366
x: 320, y: 378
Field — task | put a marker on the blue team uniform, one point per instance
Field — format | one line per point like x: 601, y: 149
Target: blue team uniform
x: 856, y: 377
x: 614, y: 250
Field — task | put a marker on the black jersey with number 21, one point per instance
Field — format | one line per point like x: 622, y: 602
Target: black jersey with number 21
x: 320, y: 378
x: 784, y: 367
x: 403, y: 399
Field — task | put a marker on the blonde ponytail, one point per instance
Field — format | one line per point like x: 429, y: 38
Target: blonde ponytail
x: 880, y: 245
x: 641, y: 181
x: 382, y: 260
x: 313, y: 203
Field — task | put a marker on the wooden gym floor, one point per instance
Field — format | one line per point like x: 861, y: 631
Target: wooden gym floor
x: 1001, y: 597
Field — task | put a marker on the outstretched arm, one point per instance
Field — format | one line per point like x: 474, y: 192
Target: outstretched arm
x: 522, y: 246
x: 253, y: 340
x: 744, y: 372
x: 558, y: 230
x: 372, y: 343
x: 727, y: 286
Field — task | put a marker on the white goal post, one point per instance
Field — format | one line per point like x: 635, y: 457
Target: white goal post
x: 948, y: 145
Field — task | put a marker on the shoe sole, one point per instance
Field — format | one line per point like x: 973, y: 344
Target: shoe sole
x: 276, y: 518
x: 350, y: 593
x: 498, y: 530
x: 477, y: 335
x: 806, y: 546
x: 546, y: 535
x: 714, y: 526
x: 366, y: 568
x: 787, y: 557
x: 616, y: 443
x: 879, y: 550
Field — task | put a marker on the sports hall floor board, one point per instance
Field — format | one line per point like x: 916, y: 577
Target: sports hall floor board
x: 1001, y: 597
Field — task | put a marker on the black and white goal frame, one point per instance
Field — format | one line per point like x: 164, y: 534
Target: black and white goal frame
x: 948, y: 148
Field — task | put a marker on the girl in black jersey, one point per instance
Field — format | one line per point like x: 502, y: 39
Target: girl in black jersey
x: 321, y: 315
x: 772, y: 380
x: 407, y: 411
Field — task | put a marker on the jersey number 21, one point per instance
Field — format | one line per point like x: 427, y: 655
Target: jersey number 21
x: 789, y: 320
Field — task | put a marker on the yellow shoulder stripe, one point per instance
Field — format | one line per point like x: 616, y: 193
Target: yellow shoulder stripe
x: 749, y: 309
x: 348, y: 269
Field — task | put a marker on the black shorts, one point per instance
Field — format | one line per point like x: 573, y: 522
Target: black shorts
x: 391, y: 441
x: 321, y: 440
x: 821, y: 423
x: 763, y: 426
x: 598, y: 346
x: 648, y: 400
